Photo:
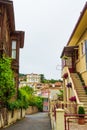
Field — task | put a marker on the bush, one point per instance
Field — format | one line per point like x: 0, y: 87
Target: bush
x: 7, y: 86
x: 39, y: 103
x: 17, y: 105
x: 81, y: 111
x: 25, y: 99
x: 26, y: 94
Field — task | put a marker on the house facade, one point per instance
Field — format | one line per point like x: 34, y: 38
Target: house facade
x: 11, y: 40
x: 74, y: 63
x: 33, y: 78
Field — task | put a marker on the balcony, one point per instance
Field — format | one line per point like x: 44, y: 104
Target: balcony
x: 69, y: 56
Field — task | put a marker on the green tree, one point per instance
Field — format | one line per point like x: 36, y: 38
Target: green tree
x: 60, y: 95
x: 26, y: 98
x: 39, y: 103
x: 42, y: 78
x: 28, y: 89
x: 7, y: 89
x: 26, y: 95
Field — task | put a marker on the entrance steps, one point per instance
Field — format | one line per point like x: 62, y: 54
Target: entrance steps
x: 80, y: 90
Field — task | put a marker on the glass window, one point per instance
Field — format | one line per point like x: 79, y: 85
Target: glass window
x: 13, y: 44
x: 14, y: 49
x: 83, y: 48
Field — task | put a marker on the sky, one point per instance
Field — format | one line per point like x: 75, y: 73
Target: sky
x: 48, y: 25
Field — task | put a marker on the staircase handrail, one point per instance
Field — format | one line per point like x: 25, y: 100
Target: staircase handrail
x: 74, y: 90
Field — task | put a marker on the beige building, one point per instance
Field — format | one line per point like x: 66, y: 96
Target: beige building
x: 50, y: 93
x: 74, y: 63
x: 33, y: 78
x: 54, y: 90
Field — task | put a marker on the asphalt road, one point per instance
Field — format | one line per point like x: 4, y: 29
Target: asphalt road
x: 39, y: 121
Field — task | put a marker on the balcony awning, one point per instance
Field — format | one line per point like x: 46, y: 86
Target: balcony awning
x: 68, y: 51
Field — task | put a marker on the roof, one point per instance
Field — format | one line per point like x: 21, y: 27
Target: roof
x: 58, y: 84
x: 80, y: 27
x: 67, y: 50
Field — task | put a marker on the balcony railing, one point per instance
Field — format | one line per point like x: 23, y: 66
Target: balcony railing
x: 66, y: 70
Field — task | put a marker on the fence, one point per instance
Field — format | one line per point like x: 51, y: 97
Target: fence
x: 76, y: 121
x: 64, y: 117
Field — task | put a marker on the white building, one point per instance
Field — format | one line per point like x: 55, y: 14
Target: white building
x: 33, y: 78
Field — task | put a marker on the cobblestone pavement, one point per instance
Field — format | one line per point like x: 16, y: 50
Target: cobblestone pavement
x: 39, y: 121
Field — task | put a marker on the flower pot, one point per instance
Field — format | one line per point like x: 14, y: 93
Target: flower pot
x: 81, y: 121
x: 69, y: 85
x: 81, y: 115
x: 73, y: 99
x: 65, y: 75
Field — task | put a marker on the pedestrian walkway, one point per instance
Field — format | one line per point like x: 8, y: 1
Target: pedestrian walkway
x: 39, y: 121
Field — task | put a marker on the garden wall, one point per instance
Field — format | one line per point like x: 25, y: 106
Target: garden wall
x: 9, y: 117
x: 12, y: 116
x: 31, y: 110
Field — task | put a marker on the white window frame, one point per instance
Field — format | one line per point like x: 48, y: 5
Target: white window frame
x: 14, y: 46
x: 83, y: 47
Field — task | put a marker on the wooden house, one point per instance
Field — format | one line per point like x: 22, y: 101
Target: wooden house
x: 11, y: 40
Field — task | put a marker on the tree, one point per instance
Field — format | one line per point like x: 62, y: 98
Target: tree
x: 27, y: 97
x: 7, y: 89
x: 60, y: 95
x: 42, y: 78
x: 28, y: 89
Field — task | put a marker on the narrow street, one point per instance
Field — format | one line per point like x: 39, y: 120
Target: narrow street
x: 38, y: 121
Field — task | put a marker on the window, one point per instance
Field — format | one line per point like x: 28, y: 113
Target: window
x: 14, y: 49
x: 83, y: 48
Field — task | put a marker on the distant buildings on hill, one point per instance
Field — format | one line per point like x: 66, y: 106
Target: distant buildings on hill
x: 33, y: 78
x: 29, y: 79
x: 48, y: 91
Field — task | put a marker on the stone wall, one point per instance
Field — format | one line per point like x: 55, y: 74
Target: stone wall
x: 31, y: 110
x: 12, y: 117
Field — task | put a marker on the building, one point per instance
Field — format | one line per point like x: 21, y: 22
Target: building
x: 54, y: 90
x: 74, y: 63
x: 50, y: 93
x: 33, y: 78
x: 11, y: 40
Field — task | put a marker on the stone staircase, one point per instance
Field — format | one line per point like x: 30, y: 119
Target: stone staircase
x: 80, y: 90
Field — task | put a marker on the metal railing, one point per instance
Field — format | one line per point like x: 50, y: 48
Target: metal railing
x: 73, y: 118
x: 72, y: 107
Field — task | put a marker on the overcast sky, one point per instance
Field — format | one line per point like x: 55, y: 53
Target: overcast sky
x: 48, y: 25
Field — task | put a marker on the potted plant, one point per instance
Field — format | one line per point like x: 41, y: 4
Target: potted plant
x: 69, y: 85
x: 81, y: 115
x: 73, y: 99
x: 85, y: 88
x: 65, y: 75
